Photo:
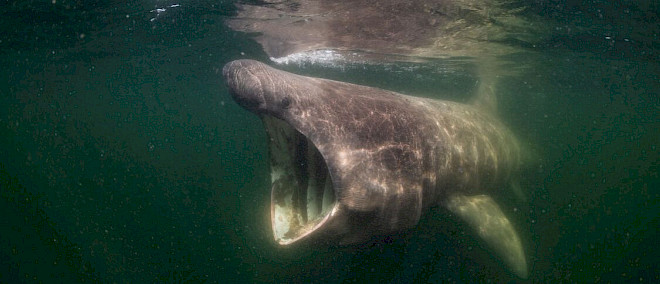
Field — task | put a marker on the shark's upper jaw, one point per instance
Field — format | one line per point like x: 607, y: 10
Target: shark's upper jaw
x: 244, y: 84
x: 302, y: 196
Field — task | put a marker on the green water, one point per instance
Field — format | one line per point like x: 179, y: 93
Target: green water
x: 123, y: 158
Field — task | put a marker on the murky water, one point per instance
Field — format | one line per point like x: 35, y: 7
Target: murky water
x: 124, y: 159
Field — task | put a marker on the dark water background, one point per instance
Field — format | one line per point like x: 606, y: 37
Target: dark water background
x: 123, y: 158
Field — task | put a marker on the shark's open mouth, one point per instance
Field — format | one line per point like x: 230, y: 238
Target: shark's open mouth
x: 302, y: 196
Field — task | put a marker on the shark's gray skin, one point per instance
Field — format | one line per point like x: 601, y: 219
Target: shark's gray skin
x: 350, y: 162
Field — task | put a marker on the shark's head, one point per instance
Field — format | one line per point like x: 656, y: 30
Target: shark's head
x: 341, y: 167
x: 303, y: 193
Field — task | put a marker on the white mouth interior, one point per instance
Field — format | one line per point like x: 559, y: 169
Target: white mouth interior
x: 302, y: 196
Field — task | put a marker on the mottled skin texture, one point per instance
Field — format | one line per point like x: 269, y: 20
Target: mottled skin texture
x: 390, y: 156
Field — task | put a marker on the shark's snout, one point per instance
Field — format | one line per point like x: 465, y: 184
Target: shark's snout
x: 244, y: 83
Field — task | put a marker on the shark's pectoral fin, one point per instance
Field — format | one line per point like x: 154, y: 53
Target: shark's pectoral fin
x: 484, y: 215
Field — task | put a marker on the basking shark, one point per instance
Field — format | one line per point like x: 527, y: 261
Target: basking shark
x: 351, y: 162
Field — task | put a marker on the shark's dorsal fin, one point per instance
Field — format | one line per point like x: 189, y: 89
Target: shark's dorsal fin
x: 485, y: 98
x: 487, y: 219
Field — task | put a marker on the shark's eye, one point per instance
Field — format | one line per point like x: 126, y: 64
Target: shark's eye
x: 285, y: 103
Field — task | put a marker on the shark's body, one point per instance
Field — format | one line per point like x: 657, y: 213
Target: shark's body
x: 349, y: 162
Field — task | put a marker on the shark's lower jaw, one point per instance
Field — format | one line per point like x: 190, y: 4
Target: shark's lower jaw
x: 302, y: 195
